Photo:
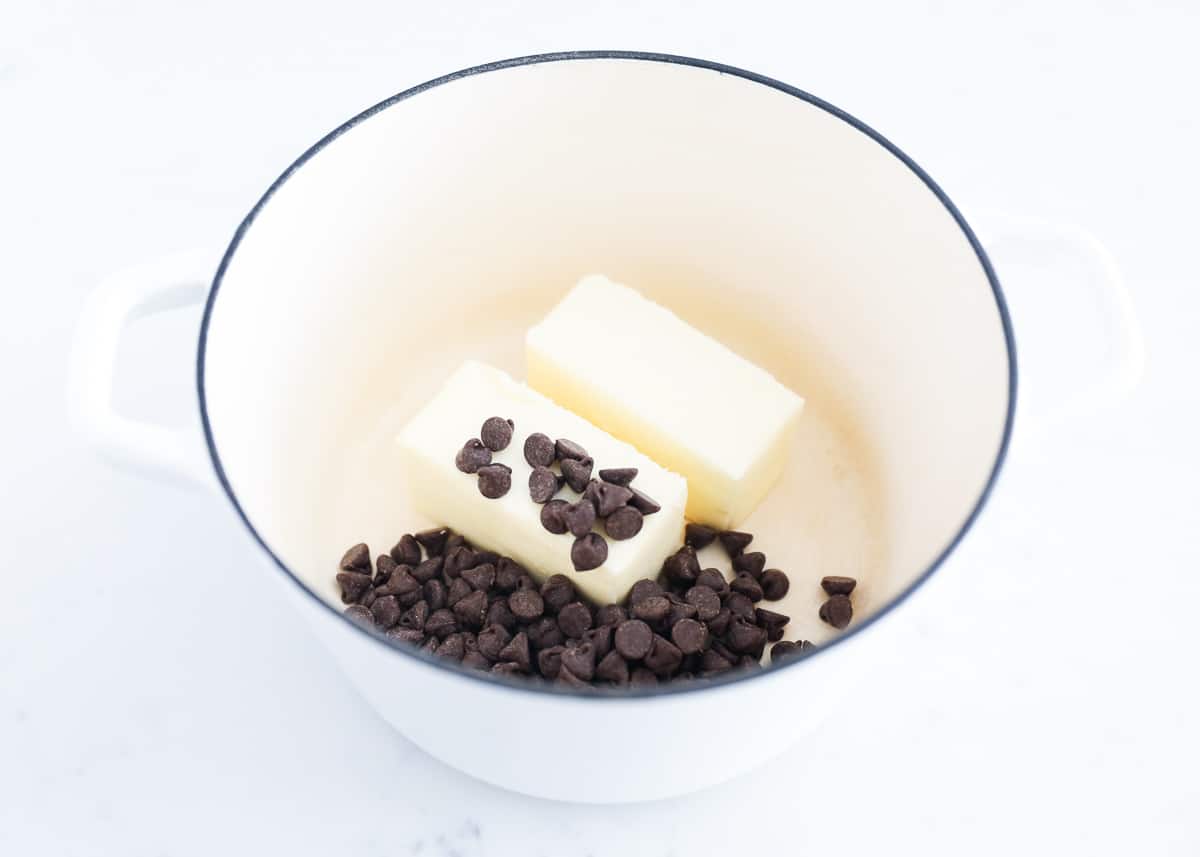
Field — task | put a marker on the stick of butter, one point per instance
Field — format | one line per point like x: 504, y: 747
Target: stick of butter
x: 511, y: 524
x: 638, y: 371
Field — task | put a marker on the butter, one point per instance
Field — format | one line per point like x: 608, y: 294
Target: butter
x: 511, y: 524
x: 679, y: 396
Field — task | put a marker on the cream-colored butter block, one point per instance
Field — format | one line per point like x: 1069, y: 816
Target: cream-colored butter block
x: 511, y: 525
x: 638, y: 371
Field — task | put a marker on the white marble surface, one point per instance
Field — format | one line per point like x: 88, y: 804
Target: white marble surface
x: 157, y: 699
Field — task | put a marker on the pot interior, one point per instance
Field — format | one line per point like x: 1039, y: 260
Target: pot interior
x: 441, y: 227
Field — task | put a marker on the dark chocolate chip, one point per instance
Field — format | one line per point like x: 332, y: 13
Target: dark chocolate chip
x: 430, y: 645
x: 706, y: 601
x: 773, y: 623
x: 611, y: 614
x: 569, y: 679
x: 472, y: 456
x: 386, y: 611
x: 471, y: 610
x: 457, y: 591
x: 579, y: 517
x: 643, y: 503
x: 495, y: 480
x: 750, y: 563
x: 359, y: 615
x: 384, y: 566
x: 748, y: 586
x: 440, y: 623
x: 476, y: 661
x: 434, y: 541
x: 600, y: 637
x: 517, y: 650
x: 427, y: 570
x: 526, y: 604
x: 552, y: 516
x: 642, y: 677
x: 574, y: 619
x: 643, y: 589
x: 735, y: 542
x: 653, y: 610
x: 713, y: 579
x: 713, y: 661
x: 496, y: 433
x: 492, y: 639
x: 749, y: 662
x: 566, y: 450
x: 610, y: 498
x: 453, y: 540
x: 499, y: 614
x: 406, y: 551
x: 543, y: 484
x: 689, y: 635
x: 698, y: 535
x: 368, y: 598
x: 454, y: 561
x: 612, y: 668
x: 619, y: 475
x: 549, y: 661
x: 577, y: 472
x: 539, y: 450
x: 624, y: 523
x: 837, y: 611
x: 682, y: 566
x: 507, y: 668
x: 544, y: 633
x: 580, y: 660
x: 774, y: 584
x: 558, y: 591
x: 633, y: 639
x: 482, y: 557
x: 416, y: 616
x: 508, y: 574
x: 680, y: 610
x: 835, y: 585
x: 353, y: 584
x: 664, y: 656
x: 401, y: 634
x: 739, y: 605
x: 481, y: 576
x: 783, y: 650
x: 358, y: 558
x: 452, y: 647
x: 744, y: 637
x: 589, y: 552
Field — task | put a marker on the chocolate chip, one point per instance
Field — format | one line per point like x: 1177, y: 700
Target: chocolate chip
x: 773, y: 623
x: 783, y: 650
x: 507, y: 668
x: 713, y: 579
x: 539, y: 450
x: 368, y: 598
x: 476, y: 661
x: 682, y: 566
x: 457, y: 591
x: 430, y: 645
x: 471, y: 610
x: 472, y: 456
x: 452, y: 647
x: 552, y: 516
x: 549, y: 661
x: 353, y: 584
x: 774, y: 584
x: 653, y: 610
x: 496, y: 433
x: 610, y: 614
x: 577, y: 472
x: 517, y: 650
x: 441, y: 623
x: 600, y: 637
x: 580, y: 660
x: 453, y: 540
x: 434, y: 541
x: 612, y: 668
x: 745, y: 638
x: 455, y: 560
x: 739, y: 605
x: 544, y: 633
x: 698, y: 535
x: 748, y: 586
x: 495, y: 480
x: 386, y: 611
x: 689, y: 636
x: 360, y: 616
x: 526, y: 604
x: 643, y: 589
x: 566, y: 450
x: 749, y: 662
x: 358, y: 558
x: 619, y: 475
x: 633, y: 639
x: 579, y: 517
x: 543, y: 484
x: 384, y: 566
x: 557, y: 592
x: 589, y: 552
x: 499, y: 614
x: 406, y: 551
x: 680, y: 610
x: 492, y: 639
x: 664, y: 656
x: 482, y: 557
x: 574, y: 619
x: 400, y: 583
x: 837, y: 611
x: 416, y: 616
x: 624, y: 523
x: 735, y: 542
x: 834, y: 585
x: 750, y: 563
x: 705, y: 600
x: 714, y: 662
x: 434, y: 593
x: 400, y: 634
x: 642, y: 677
x: 643, y: 503
x: 481, y: 576
x: 508, y: 574
x: 611, y: 498
x: 569, y: 679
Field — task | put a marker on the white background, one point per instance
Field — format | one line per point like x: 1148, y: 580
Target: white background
x: 157, y: 698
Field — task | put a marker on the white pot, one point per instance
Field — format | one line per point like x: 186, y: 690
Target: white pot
x: 439, y: 224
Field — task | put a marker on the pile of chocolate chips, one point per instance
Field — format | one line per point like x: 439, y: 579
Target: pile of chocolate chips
x: 435, y: 591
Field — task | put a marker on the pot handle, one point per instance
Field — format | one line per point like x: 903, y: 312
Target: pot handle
x: 138, y: 292
x: 1079, y: 343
